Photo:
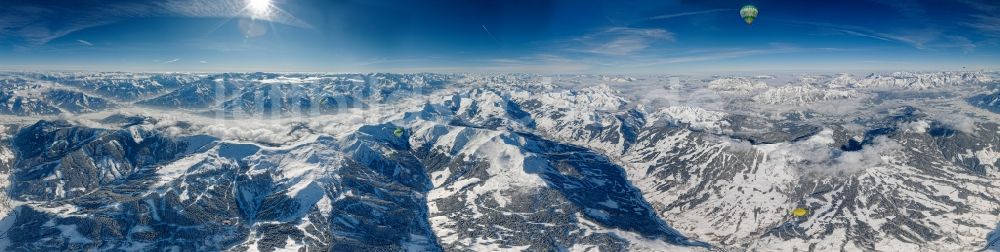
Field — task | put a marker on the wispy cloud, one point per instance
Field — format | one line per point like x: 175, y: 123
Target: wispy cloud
x: 918, y: 40
x: 963, y: 43
x: 390, y: 61
x: 171, y: 61
x: 887, y: 62
x: 909, y: 8
x: 225, y: 9
x: 84, y: 42
x: 690, y: 13
x: 982, y: 5
x: 203, y: 62
x: 716, y: 55
x: 32, y: 24
x: 500, y: 68
x: 36, y: 22
x: 986, y: 24
x: 537, y: 63
x: 618, y: 41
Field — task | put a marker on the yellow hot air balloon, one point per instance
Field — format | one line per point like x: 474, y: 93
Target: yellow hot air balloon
x: 749, y: 13
x: 800, y: 212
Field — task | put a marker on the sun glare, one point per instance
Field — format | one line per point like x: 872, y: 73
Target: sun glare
x: 259, y: 8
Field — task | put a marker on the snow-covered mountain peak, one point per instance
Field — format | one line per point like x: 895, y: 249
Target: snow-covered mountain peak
x: 694, y: 117
x: 842, y: 81
x: 738, y: 85
x: 804, y: 94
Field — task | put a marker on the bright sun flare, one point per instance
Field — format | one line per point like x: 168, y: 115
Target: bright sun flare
x: 259, y: 8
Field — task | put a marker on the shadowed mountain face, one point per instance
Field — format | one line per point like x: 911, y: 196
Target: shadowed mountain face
x: 427, y: 162
x: 989, y: 102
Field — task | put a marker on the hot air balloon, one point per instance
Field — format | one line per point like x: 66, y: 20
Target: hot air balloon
x: 800, y: 212
x: 749, y: 13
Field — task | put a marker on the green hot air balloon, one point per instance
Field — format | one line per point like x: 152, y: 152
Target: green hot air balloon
x: 749, y: 13
x: 398, y: 132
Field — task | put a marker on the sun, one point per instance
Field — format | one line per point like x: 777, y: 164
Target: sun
x: 259, y: 8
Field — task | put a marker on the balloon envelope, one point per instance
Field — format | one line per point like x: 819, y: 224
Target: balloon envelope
x: 799, y: 212
x: 748, y: 13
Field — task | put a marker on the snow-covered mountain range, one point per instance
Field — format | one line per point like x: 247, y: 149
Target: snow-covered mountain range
x: 488, y: 162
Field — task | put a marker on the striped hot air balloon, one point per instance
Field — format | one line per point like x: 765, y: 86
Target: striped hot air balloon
x: 749, y: 13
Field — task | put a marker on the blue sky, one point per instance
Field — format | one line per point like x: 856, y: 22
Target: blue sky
x: 565, y: 36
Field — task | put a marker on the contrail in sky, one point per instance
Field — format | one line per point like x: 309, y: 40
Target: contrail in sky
x: 491, y: 34
x: 666, y: 16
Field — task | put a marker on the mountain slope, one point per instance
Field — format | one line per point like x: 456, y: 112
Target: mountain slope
x: 470, y: 162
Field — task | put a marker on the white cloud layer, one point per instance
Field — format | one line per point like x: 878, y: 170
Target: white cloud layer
x: 817, y: 156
